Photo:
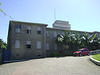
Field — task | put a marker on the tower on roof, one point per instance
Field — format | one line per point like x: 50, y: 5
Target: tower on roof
x: 58, y: 24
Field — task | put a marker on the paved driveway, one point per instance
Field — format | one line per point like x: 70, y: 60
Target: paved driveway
x: 52, y: 66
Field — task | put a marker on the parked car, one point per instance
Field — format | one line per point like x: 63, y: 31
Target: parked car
x: 80, y: 52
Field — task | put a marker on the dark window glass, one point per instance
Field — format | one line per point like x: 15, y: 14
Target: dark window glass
x: 82, y: 50
x: 18, y: 26
x: 28, y: 46
x: 86, y: 50
x: 28, y: 31
x: 39, y: 32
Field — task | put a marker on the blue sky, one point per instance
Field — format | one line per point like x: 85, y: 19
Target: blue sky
x: 83, y: 15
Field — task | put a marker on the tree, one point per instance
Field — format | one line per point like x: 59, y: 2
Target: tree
x: 85, y: 40
x: 71, y: 39
x: 5, y: 13
x: 3, y: 44
x: 95, y: 42
x: 67, y: 38
x: 59, y: 41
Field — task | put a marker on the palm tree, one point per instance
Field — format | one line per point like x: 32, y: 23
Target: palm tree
x: 95, y: 42
x: 59, y: 41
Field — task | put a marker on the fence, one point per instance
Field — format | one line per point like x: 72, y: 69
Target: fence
x: 1, y: 56
x: 95, y: 52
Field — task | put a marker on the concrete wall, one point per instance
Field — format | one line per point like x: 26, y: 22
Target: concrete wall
x: 51, y: 40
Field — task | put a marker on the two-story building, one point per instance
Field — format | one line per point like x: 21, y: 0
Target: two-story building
x: 34, y: 40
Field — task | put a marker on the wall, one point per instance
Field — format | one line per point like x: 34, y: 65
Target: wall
x: 51, y: 40
x: 1, y: 56
x: 23, y: 52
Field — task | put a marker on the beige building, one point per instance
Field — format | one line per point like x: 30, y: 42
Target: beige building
x: 26, y: 40
x: 34, y: 40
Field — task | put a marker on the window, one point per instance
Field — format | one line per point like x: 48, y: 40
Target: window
x: 99, y: 35
x: 17, y: 43
x: 38, y: 45
x: 47, y: 46
x: 28, y: 44
x: 85, y: 50
x: 47, y: 33
x: 18, y: 28
x: 55, y: 33
x: 38, y: 30
x: 28, y: 29
x: 63, y: 33
x: 55, y: 46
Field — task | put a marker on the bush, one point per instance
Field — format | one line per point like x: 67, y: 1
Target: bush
x: 55, y: 54
x: 69, y: 54
x: 61, y: 54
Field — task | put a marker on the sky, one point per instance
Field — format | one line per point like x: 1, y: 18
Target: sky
x: 83, y: 15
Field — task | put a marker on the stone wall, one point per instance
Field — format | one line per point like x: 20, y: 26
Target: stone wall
x: 23, y: 52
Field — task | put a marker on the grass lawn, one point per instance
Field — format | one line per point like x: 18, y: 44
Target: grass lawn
x: 96, y: 57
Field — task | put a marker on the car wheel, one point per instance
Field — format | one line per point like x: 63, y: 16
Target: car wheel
x: 80, y: 54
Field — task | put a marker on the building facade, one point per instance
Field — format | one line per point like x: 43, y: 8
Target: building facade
x: 33, y: 40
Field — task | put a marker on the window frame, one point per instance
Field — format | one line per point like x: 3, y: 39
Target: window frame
x: 39, y: 45
x: 28, y: 44
x: 47, y: 33
x: 55, y: 46
x: 47, y: 46
x: 18, y: 29
x: 17, y: 43
x: 55, y: 34
x: 39, y: 30
x: 29, y: 30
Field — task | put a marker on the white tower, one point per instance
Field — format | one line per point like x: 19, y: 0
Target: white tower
x: 58, y: 24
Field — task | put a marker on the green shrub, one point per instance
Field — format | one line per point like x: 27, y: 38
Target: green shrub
x: 69, y: 54
x: 55, y: 54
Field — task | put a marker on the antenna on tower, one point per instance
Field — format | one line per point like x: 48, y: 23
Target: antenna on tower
x: 54, y: 14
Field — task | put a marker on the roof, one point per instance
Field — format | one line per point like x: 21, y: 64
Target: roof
x: 12, y: 21
x: 61, y: 22
x: 68, y: 30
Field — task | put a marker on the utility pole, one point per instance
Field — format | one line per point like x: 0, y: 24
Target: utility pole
x: 54, y: 14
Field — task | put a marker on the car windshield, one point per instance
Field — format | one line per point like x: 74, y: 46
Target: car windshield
x: 79, y: 50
